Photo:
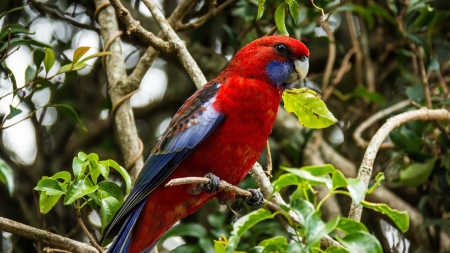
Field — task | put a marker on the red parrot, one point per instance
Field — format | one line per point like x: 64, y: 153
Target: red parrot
x: 220, y: 130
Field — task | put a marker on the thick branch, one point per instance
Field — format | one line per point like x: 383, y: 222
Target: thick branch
x: 365, y: 170
x: 115, y: 71
x: 45, y: 237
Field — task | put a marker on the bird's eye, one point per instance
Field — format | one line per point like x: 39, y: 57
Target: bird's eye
x: 304, y: 58
x: 281, y: 48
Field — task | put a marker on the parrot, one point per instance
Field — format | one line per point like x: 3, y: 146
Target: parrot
x: 219, y: 132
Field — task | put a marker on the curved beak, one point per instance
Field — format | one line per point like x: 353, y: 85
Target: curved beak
x: 301, y: 70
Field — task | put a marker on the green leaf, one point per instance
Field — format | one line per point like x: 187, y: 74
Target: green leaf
x: 294, y: 9
x: 109, y: 208
x: 186, y: 229
x: 47, y: 202
x: 78, y: 189
x: 78, y: 167
x: 49, y: 59
x: 378, y: 179
x: 11, y: 76
x: 186, y: 248
x: 280, y: 19
x: 319, y: 170
x: 27, y: 41
x: 103, y: 166
x: 50, y: 186
x: 7, y: 176
x: 65, y: 175
x: 338, y: 180
x: 286, y: 180
x: 356, y: 188
x: 406, y: 139
x: 374, y: 97
x: 349, y: 226
x: 82, y: 156
x: 12, y: 10
x: 245, y: 223
x: 400, y: 218
x: 313, y: 180
x: 69, y: 111
x: 309, y: 108
x: 30, y: 74
x: 38, y: 57
x: 315, y: 228
x: 303, y: 209
x: 110, y: 189
x: 416, y: 174
x: 79, y: 52
x: 260, y: 9
x: 361, y: 242
x: 123, y: 173
x: 95, y: 55
x: 336, y: 249
x: 72, y: 67
x: 278, y: 241
x: 13, y: 112
x: 15, y: 28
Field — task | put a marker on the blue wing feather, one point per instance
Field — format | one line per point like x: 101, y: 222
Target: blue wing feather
x: 193, y: 122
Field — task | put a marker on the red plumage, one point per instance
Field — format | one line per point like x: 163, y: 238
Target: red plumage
x: 247, y: 96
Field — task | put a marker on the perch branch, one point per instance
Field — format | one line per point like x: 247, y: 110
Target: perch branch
x: 365, y: 170
x: 45, y: 237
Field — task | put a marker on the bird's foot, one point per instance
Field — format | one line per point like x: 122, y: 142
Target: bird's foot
x: 257, y: 199
x: 212, y: 186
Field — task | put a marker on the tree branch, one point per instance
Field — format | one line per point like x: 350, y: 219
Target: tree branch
x: 365, y: 170
x: 45, y: 237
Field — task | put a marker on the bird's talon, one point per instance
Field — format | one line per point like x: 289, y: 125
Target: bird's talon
x: 257, y: 199
x: 213, y: 185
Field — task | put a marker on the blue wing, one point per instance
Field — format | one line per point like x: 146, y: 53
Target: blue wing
x: 192, y: 123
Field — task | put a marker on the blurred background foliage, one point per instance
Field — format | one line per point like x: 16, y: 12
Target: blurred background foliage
x: 385, y: 52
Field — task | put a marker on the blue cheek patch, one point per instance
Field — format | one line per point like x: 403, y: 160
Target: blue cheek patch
x: 278, y: 71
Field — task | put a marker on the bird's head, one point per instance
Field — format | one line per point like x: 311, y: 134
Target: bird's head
x: 279, y: 60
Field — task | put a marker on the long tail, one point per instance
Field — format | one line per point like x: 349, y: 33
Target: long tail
x: 122, y: 241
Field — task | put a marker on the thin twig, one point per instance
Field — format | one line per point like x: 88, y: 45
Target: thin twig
x: 331, y: 56
x: 85, y: 230
x: 374, y: 118
x: 365, y: 170
x: 269, y: 160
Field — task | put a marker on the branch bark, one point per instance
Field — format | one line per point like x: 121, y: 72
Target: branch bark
x: 365, y: 170
x: 45, y: 237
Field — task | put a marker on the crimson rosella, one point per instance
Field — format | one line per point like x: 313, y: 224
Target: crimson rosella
x: 221, y: 129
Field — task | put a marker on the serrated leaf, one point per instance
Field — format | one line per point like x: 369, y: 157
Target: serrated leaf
x: 356, y: 188
x: 294, y: 9
x: 349, y: 226
x: 109, y: 208
x: 78, y: 189
x: 13, y: 112
x: 416, y: 174
x: 47, y: 202
x: 280, y: 19
x: 110, y: 189
x: 69, y: 111
x: 50, y: 186
x: 38, y: 57
x: 7, y: 176
x: 361, y: 242
x: 245, y: 223
x: 400, y: 218
x: 123, y: 173
x: 79, y: 52
x: 49, y: 59
x: 15, y: 28
x: 309, y: 108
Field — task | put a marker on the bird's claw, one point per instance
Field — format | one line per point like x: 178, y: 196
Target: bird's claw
x: 257, y: 199
x: 213, y: 185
